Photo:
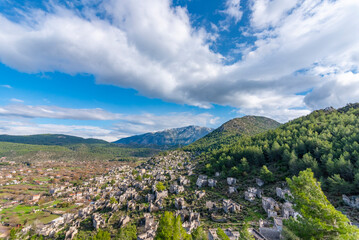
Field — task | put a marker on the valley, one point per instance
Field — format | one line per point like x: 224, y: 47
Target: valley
x: 244, y: 188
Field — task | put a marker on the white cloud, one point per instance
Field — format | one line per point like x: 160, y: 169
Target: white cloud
x: 270, y: 12
x: 233, y: 12
x: 16, y: 100
x: 28, y: 111
x: 18, y: 120
x: 138, y: 124
x: 6, y: 86
x: 152, y: 47
x: 29, y: 128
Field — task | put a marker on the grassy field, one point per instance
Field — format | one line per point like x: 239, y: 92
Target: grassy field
x: 29, y: 213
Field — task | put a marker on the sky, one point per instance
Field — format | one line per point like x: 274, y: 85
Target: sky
x: 116, y: 68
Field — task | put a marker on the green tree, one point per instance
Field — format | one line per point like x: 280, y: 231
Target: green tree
x: 199, y: 234
x: 128, y: 232
x: 318, y: 218
x: 102, y: 235
x: 337, y: 185
x: 160, y: 187
x: 221, y: 235
x: 113, y: 200
x: 265, y: 174
x: 245, y: 235
x: 170, y: 228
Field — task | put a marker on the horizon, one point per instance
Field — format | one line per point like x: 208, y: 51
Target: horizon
x: 119, y: 68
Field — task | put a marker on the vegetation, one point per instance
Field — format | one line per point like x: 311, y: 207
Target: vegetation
x: 221, y: 234
x: 170, y: 228
x: 318, y: 219
x: 160, y: 187
x: 49, y: 139
x: 327, y: 141
x: 128, y: 232
x: 102, y: 235
x: 199, y: 234
x: 231, y: 131
x: 75, y: 151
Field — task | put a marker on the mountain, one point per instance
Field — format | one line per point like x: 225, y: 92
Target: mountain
x: 325, y: 141
x: 49, y: 139
x: 232, y: 130
x: 170, y: 137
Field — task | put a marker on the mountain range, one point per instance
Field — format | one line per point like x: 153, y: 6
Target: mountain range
x: 167, y: 138
x: 49, y: 139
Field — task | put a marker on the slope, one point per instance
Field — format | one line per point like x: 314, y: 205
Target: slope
x: 232, y: 130
x: 171, y: 137
x: 325, y: 141
x: 48, y: 139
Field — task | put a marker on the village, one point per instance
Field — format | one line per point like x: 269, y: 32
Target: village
x: 167, y: 182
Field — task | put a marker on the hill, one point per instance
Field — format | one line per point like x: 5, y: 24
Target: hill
x: 325, y: 141
x: 49, y: 139
x: 232, y: 130
x: 79, y: 152
x: 167, y: 138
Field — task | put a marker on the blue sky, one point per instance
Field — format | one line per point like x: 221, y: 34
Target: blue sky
x: 110, y: 69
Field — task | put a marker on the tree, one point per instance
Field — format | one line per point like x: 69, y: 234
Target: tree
x: 199, y: 234
x: 318, y: 219
x: 113, y: 200
x: 221, y: 234
x: 128, y: 232
x: 160, y: 187
x: 170, y: 228
x: 338, y: 185
x: 245, y: 235
x: 265, y: 174
x: 102, y: 235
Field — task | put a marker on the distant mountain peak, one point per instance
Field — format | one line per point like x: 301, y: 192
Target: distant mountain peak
x: 168, y: 137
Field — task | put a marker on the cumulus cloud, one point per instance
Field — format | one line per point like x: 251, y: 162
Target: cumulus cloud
x: 151, y: 46
x: 138, y: 124
x: 233, y: 12
x: 125, y: 124
x: 28, y: 111
x: 29, y: 128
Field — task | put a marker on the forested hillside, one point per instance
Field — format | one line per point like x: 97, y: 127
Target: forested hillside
x: 49, y: 139
x: 232, y: 130
x: 170, y: 138
x: 19, y: 151
x: 327, y: 141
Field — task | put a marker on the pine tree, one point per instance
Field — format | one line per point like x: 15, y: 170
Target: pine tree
x: 318, y: 218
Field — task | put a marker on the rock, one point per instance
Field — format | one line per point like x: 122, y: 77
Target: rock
x: 123, y: 221
x: 352, y: 201
x: 180, y: 203
x: 211, y: 206
x: 201, y: 181
x: 200, y: 193
x: 259, y: 182
x: 231, y: 181
x: 183, y: 181
x: 249, y: 196
x: 150, y: 197
x: 270, y: 206
x: 161, y: 195
x: 217, y: 174
x: 283, y: 193
x: 212, y: 183
x: 229, y: 206
x: 97, y: 221
x: 70, y: 234
x: 232, y: 190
